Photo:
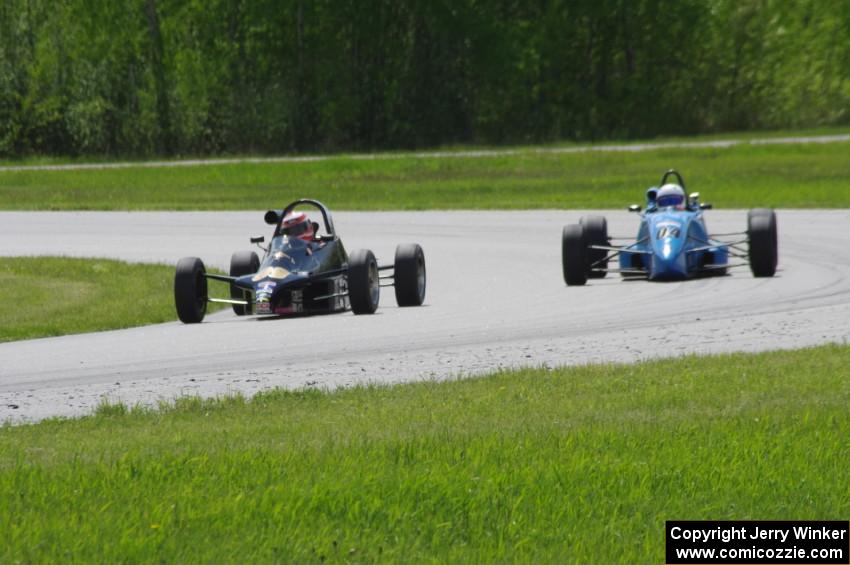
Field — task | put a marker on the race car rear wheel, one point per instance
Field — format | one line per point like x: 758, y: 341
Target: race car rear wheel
x: 409, y: 275
x: 364, y: 287
x: 190, y: 290
x: 764, y: 247
x: 574, y: 255
x: 242, y: 263
x: 596, y: 233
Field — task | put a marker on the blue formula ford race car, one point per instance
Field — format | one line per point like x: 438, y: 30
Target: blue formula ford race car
x: 672, y: 242
x: 305, y: 270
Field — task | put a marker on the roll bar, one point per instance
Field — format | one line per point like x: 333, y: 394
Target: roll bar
x: 275, y: 217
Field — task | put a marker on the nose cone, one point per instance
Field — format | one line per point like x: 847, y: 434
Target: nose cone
x: 268, y: 290
x: 668, y: 259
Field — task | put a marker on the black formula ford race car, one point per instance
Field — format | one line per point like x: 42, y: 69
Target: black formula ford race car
x: 303, y: 271
x: 672, y: 241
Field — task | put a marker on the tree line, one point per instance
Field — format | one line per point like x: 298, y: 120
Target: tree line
x: 197, y: 77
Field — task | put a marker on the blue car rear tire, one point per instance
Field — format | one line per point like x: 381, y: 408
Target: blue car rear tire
x: 596, y: 233
x: 574, y: 255
x: 763, y: 242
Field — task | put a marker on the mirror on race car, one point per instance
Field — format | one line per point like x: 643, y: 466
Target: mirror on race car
x: 272, y: 217
x: 634, y: 208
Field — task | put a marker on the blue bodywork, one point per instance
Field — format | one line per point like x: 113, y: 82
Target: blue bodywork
x: 673, y: 244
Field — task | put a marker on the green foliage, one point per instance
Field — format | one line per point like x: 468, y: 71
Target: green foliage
x: 49, y: 296
x: 578, y: 465
x: 783, y: 176
x: 143, y: 77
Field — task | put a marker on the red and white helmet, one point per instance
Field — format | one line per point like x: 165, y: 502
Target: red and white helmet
x: 297, y: 224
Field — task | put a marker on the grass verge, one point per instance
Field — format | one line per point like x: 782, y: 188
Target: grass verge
x: 570, y: 465
x: 734, y: 136
x: 800, y: 176
x: 50, y: 296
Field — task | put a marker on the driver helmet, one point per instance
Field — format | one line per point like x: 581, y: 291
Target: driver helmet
x: 297, y: 224
x: 670, y: 195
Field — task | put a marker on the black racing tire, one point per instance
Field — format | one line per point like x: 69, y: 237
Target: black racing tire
x: 409, y: 275
x: 242, y: 263
x: 764, y: 244
x: 574, y: 255
x: 364, y: 285
x: 596, y: 233
x: 190, y: 290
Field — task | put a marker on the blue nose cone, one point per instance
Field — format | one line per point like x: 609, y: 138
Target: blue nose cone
x: 669, y: 260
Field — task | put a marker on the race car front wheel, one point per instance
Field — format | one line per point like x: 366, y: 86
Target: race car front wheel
x: 364, y: 286
x: 763, y: 252
x: 409, y: 275
x: 574, y: 255
x: 190, y: 290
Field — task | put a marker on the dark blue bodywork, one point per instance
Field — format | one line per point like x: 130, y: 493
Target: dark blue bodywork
x: 673, y: 244
x: 295, y: 275
x: 298, y: 276
x: 304, y: 270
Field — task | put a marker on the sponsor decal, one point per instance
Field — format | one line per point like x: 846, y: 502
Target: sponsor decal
x: 263, y: 308
x: 262, y: 274
x: 266, y: 286
x: 668, y: 223
x: 271, y: 273
x: 278, y: 273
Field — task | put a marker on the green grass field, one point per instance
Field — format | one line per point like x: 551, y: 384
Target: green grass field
x: 50, y: 296
x: 579, y: 465
x: 576, y: 465
x: 737, y: 136
x: 799, y: 176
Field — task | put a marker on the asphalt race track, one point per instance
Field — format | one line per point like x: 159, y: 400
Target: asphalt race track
x: 495, y: 299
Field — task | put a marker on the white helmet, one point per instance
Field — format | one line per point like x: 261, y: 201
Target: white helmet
x: 670, y: 195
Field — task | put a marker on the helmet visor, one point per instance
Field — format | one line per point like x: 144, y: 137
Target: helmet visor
x: 669, y: 200
x: 296, y: 230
